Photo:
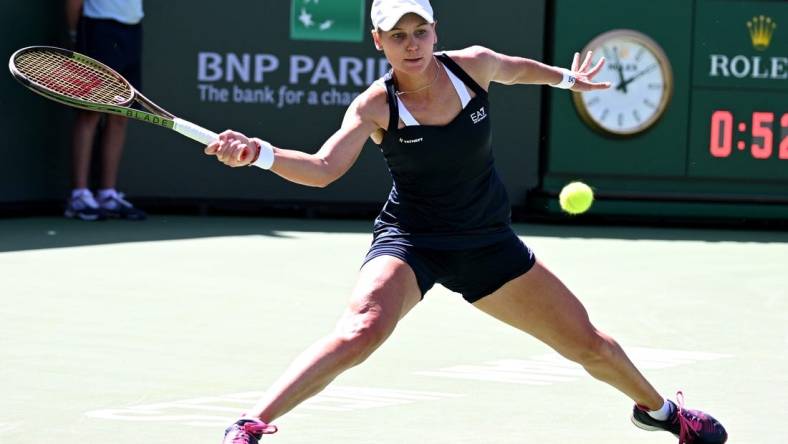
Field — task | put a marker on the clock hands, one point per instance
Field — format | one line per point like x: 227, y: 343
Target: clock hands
x: 623, y: 85
x: 640, y: 87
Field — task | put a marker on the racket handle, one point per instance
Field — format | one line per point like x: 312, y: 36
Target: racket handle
x: 194, y: 132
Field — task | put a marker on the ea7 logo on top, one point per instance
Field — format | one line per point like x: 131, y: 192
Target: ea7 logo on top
x: 478, y: 116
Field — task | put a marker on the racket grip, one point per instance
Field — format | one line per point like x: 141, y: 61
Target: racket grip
x: 194, y: 132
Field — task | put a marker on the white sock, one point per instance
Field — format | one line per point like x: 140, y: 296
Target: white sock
x: 76, y: 192
x: 663, y: 413
x: 106, y: 193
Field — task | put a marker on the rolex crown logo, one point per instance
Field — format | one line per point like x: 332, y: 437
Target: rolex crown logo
x: 761, y: 31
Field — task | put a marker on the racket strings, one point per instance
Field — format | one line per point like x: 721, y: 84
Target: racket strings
x: 73, y: 78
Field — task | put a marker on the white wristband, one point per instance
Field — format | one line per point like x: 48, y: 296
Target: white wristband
x: 568, y: 81
x: 265, y: 159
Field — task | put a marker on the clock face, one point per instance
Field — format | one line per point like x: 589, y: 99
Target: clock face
x: 641, y: 79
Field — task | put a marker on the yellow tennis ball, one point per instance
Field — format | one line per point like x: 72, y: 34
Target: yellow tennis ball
x: 576, y: 198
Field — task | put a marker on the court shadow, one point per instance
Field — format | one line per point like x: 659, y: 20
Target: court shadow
x: 704, y: 233
x: 19, y: 234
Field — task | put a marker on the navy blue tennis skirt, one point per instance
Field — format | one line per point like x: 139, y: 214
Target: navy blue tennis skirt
x: 473, y: 272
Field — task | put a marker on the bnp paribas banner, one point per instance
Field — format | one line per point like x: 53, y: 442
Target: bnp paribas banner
x: 324, y: 59
x: 286, y: 70
x: 741, y: 43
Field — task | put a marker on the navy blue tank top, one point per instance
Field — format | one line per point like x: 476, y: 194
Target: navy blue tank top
x: 446, y: 193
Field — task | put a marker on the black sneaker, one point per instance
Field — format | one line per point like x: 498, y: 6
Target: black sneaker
x: 247, y: 431
x: 83, y: 206
x: 115, y: 206
x: 689, y: 426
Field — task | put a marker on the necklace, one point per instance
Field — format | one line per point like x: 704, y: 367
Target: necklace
x: 399, y: 93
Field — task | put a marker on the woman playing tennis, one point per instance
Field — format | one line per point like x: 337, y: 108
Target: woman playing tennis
x: 447, y: 220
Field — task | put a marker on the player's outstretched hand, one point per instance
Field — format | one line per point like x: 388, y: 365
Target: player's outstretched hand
x: 232, y: 149
x: 585, y: 73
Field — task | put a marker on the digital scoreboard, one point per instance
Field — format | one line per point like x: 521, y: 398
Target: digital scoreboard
x: 760, y: 139
x: 696, y: 120
x: 739, y: 102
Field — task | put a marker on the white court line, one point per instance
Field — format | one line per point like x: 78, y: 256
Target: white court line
x: 6, y: 427
x: 552, y: 368
x: 544, y: 369
x: 215, y: 411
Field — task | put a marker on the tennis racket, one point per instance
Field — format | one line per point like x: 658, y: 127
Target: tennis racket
x: 76, y: 80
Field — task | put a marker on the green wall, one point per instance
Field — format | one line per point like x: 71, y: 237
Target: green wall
x: 574, y: 147
x: 35, y: 162
x: 671, y: 169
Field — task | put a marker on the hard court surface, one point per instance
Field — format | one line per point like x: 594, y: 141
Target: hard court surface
x: 163, y: 331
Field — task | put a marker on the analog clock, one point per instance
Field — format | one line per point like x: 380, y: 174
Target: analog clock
x: 642, y: 84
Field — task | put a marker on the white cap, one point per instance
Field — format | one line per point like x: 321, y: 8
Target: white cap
x: 386, y: 13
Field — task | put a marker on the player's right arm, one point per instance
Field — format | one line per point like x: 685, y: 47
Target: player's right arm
x: 363, y: 117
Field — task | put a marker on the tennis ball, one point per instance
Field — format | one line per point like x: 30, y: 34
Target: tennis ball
x: 576, y: 198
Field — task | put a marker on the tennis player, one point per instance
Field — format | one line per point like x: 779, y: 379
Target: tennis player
x: 447, y: 220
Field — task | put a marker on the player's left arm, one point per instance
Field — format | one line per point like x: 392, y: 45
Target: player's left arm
x: 511, y: 70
